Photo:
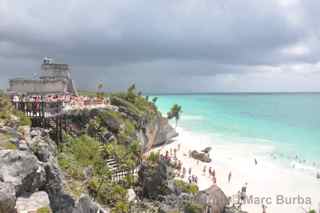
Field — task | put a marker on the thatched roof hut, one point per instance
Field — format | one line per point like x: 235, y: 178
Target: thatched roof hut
x: 213, y: 199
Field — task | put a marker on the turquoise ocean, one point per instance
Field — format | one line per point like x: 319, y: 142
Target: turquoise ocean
x: 288, y: 122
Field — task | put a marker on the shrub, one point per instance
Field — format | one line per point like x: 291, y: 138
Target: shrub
x: 44, y: 210
x: 154, y: 157
x: 193, y: 208
x: 186, y: 187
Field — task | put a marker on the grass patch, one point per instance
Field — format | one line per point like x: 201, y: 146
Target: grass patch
x: 44, y: 210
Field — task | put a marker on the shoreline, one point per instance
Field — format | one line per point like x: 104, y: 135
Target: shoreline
x: 280, y: 189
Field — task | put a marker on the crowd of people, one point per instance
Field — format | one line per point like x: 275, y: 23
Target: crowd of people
x: 69, y: 102
x: 186, y: 172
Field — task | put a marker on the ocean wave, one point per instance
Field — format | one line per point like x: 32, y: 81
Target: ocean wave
x: 193, y: 117
x: 246, y: 149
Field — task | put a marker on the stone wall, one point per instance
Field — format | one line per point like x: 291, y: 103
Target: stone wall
x: 23, y: 86
x: 55, y: 71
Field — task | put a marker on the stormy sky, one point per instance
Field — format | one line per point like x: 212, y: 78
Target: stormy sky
x: 167, y: 45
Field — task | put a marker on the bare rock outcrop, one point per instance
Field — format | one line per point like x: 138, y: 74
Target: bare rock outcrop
x: 23, y: 170
x: 7, y: 197
x: 33, y: 202
x: 213, y: 199
x: 202, y: 156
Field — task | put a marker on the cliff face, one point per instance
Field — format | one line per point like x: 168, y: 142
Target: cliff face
x: 30, y: 178
x: 153, y: 129
x: 158, y: 132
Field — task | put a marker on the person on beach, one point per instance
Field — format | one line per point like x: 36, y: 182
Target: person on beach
x: 210, y: 171
x: 318, y: 175
x: 167, y: 155
x: 244, y: 192
x: 190, y: 179
x: 255, y: 161
x: 204, y: 169
x: 229, y: 177
x: 264, y: 208
x: 183, y: 172
x: 179, y: 146
x: 213, y: 172
x: 214, y: 180
x: 190, y: 169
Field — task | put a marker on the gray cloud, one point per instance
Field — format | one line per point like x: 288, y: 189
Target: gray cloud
x: 165, y: 45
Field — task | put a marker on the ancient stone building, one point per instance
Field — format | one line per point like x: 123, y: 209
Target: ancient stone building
x: 54, y: 79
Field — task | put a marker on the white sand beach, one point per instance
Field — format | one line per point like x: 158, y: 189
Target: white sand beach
x: 280, y: 187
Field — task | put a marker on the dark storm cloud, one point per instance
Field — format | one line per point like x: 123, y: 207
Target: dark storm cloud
x: 119, y: 42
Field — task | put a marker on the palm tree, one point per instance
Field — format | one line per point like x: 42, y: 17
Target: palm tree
x: 131, y: 93
x: 175, y: 112
x: 154, y: 100
x: 99, y: 92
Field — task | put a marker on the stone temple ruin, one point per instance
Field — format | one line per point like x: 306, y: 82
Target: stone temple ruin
x: 54, y: 79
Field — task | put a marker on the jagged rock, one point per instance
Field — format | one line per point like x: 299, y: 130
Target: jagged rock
x: 204, y: 157
x: 207, y: 150
x: 157, y: 133
x: 145, y: 206
x: 7, y: 197
x: 131, y: 195
x: 60, y: 201
x: 42, y: 147
x: 22, y: 169
x: 233, y: 210
x: 33, y: 202
x: 173, y: 202
x: 35, y: 132
x: 213, y: 198
x: 111, y: 123
x: 153, y: 179
x: 23, y: 146
x: 86, y: 205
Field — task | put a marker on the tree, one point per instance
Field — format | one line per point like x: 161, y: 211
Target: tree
x: 131, y: 93
x: 154, y: 100
x: 99, y: 90
x: 175, y: 112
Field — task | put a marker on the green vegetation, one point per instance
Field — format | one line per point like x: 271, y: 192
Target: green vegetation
x: 175, y: 112
x: 9, y: 115
x: 186, y: 187
x: 44, y: 210
x: 154, y: 157
x: 5, y: 141
x: 312, y: 211
x: 136, y: 104
x: 193, y: 208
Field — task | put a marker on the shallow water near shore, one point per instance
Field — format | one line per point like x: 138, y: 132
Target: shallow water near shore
x: 281, y: 131
x: 290, y: 123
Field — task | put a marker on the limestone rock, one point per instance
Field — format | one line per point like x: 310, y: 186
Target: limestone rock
x: 213, y: 198
x: 32, y: 202
x: 204, y: 157
x: 207, y: 150
x: 22, y: 169
x: 154, y: 179
x: 86, y: 205
x: 7, y: 197
x: 131, y: 195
